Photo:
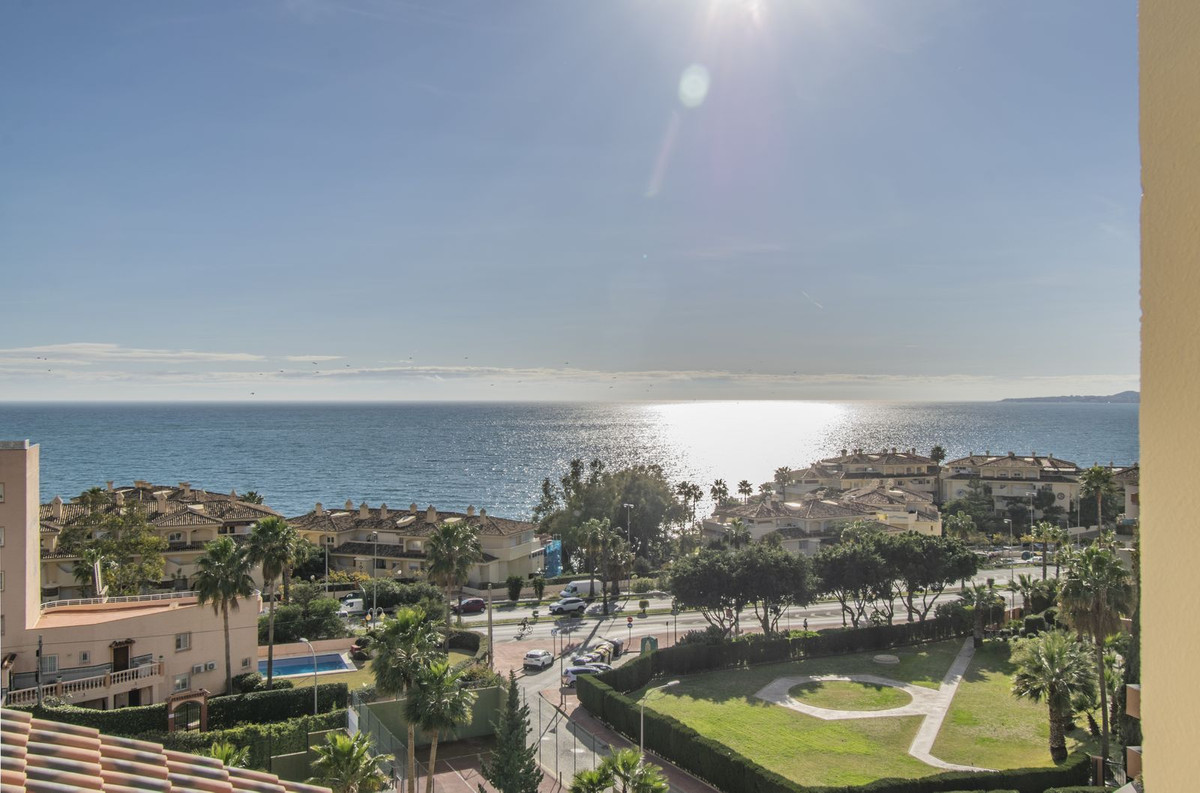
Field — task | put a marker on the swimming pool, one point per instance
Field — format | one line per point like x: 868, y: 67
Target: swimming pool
x: 303, y: 665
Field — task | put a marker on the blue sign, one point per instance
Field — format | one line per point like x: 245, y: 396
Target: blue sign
x: 553, y: 558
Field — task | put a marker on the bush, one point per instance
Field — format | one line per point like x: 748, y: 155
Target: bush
x: 1033, y: 625
x: 263, y: 740
x: 121, y: 721
x: 643, y: 585
x: 539, y: 587
x: 272, y: 706
x: 643, y: 605
x: 479, y: 676
x: 391, y: 594
x: 316, y: 619
x: 711, y: 635
x: 514, y: 584
x: 1079, y: 789
x: 641, y: 566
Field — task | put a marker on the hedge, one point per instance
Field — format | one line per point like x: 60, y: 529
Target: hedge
x: 604, y: 696
x: 263, y: 740
x: 223, y: 712
x: 1080, y: 789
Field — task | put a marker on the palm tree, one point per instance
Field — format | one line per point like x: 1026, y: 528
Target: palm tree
x: 272, y: 544
x: 94, y: 498
x: 595, y: 780
x: 346, y: 765
x: 222, y: 576
x: 719, y: 491
x: 960, y: 525
x: 452, y: 550
x: 937, y: 454
x: 437, y: 704
x: 737, y: 534
x: 229, y: 754
x: 1024, y: 587
x: 1054, y: 667
x: 629, y: 774
x: 982, y: 599
x: 592, y: 537
x: 783, y: 475
x: 1060, y: 537
x: 406, y: 646
x: 1098, y: 482
x: 1094, y: 597
x: 251, y: 497
x: 1043, y: 532
x: 84, y: 570
x: 745, y: 490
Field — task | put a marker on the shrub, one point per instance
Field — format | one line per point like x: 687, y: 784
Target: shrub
x: 539, y: 587
x: 711, y: 635
x: 273, y: 706
x: 641, y: 566
x: 391, y: 594
x: 643, y: 585
x: 643, y: 605
x: 1033, y: 625
x: 514, y: 584
x: 263, y: 740
x: 121, y: 721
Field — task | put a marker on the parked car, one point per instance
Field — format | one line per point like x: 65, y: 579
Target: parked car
x: 469, y: 606
x: 352, y: 607
x: 584, y: 659
x: 537, y: 660
x: 599, y: 667
x: 568, y: 606
x: 585, y: 589
x: 573, y: 672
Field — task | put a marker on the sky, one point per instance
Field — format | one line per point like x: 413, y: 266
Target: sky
x: 625, y: 200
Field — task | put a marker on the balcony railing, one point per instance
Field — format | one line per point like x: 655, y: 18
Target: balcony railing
x: 70, y: 688
x: 180, y: 595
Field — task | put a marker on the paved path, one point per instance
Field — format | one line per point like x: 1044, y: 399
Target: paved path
x: 927, y: 702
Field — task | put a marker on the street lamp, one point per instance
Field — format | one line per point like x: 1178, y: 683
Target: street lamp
x: 374, y: 564
x: 326, y: 567
x: 642, y: 727
x: 629, y: 523
x: 314, y: 659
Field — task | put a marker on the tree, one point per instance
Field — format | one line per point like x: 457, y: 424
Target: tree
x: 345, y: 764
x: 272, y: 544
x: 513, y: 767
x: 937, y: 454
x: 690, y: 494
x: 852, y: 573
x: 222, y: 577
x: 736, y: 534
x: 770, y: 579
x: 84, y: 569
x: 859, y: 531
x: 129, y: 547
x: 1043, y: 533
x: 251, y: 497
x: 925, y: 564
x: 1053, y: 667
x: 1095, y: 596
x: 783, y: 476
x: 630, y: 775
x: 719, y: 492
x: 94, y: 498
x: 407, y: 644
x: 539, y: 587
x: 983, y: 601
x: 959, y: 524
x: 596, y: 780
x: 232, y: 756
x: 976, y: 502
x: 705, y: 582
x: 1097, y: 482
x: 745, y: 490
x: 514, y: 584
x: 1024, y: 586
x: 452, y: 550
x: 437, y: 703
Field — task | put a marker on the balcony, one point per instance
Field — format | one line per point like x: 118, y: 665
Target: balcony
x: 1133, y: 700
x: 94, y: 687
x: 151, y: 598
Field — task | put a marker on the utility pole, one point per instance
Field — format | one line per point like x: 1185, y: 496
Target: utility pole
x: 39, y: 671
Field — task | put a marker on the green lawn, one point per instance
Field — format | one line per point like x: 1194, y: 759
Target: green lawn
x: 985, y: 726
x: 989, y: 727
x: 363, y: 675
x: 849, y: 695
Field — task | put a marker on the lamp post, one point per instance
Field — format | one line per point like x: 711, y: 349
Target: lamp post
x: 326, y: 567
x: 374, y: 564
x: 629, y: 524
x: 314, y: 659
x: 642, y: 727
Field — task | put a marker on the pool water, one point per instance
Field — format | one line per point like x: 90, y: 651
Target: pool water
x: 303, y: 665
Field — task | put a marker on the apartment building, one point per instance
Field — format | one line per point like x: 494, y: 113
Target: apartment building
x: 387, y: 543
x: 186, y: 518
x: 104, y: 652
x: 857, y: 468
x: 1013, y: 479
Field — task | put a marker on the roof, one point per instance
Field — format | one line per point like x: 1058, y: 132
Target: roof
x: 53, y: 757
x: 885, y: 496
x: 408, y: 523
x: 177, y: 507
x: 1010, y: 460
x: 1127, y: 476
x: 882, y: 457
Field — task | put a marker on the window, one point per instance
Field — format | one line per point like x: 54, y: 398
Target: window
x: 330, y: 539
x: 380, y: 564
x: 175, y: 536
x: 1, y: 533
x: 226, y: 530
x: 181, y: 682
x: 1, y: 581
x: 1, y: 492
x: 246, y: 662
x: 49, y: 664
x: 85, y: 657
x: 183, y: 641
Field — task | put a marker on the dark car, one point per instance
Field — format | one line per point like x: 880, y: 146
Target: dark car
x: 469, y: 606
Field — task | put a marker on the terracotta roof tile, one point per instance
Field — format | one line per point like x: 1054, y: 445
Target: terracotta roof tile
x: 404, y: 522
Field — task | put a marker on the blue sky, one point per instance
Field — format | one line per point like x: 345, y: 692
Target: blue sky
x: 557, y: 200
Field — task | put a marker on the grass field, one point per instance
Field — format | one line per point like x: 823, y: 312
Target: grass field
x: 989, y: 727
x: 985, y: 726
x: 849, y: 695
x: 361, y: 676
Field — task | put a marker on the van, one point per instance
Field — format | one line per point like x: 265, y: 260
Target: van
x: 586, y: 588
x: 352, y: 607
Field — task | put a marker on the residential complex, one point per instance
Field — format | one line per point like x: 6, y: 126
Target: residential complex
x: 387, y: 543
x: 104, y: 652
x: 857, y: 468
x: 1014, y: 479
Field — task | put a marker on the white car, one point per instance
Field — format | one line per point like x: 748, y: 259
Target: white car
x: 569, y: 606
x: 573, y: 672
x: 538, y: 660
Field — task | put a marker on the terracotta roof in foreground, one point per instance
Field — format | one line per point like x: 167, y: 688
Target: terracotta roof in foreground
x: 51, y: 757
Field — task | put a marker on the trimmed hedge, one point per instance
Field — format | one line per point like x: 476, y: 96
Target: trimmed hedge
x: 263, y: 740
x: 122, y: 721
x: 604, y: 696
x: 1080, y: 789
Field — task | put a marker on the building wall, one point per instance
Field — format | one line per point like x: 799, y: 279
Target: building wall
x: 1170, y: 431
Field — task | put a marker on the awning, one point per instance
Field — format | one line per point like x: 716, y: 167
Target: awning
x: 8, y: 660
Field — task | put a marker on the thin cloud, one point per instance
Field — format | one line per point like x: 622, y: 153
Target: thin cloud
x: 91, y: 352
x: 317, y: 358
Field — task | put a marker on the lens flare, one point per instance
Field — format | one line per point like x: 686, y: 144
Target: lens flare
x: 693, y: 86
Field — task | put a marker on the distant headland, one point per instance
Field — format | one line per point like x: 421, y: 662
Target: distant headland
x: 1125, y: 396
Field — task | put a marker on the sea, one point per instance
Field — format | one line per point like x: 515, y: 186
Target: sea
x: 495, y: 455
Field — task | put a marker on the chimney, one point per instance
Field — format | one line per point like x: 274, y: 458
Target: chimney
x: 364, y: 511
x: 843, y: 452
x: 186, y: 487
x: 160, y: 502
x: 431, y: 514
x: 320, y: 510
x: 383, y: 513
x: 56, y: 511
x: 893, y: 450
x: 119, y: 498
x: 412, y: 508
x: 482, y: 512
x: 110, y: 485
x: 141, y: 483
x: 232, y: 493
x: 1010, y: 454
x: 349, y: 505
x: 471, y: 511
